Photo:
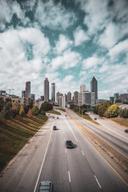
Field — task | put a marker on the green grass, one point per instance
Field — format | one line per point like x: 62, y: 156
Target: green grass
x: 14, y: 134
x: 121, y: 121
x: 54, y: 112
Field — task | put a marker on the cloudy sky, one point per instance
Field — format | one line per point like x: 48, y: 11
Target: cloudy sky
x: 68, y: 41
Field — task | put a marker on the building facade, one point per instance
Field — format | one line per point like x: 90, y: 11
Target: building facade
x: 75, y: 97
x: 94, y: 87
x: 28, y: 90
x: 53, y: 92
x: 46, y: 90
x: 69, y: 97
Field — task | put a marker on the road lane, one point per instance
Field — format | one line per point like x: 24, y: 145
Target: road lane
x: 71, y: 170
x: 55, y: 167
x: 109, y: 179
x: 120, y: 143
x: 21, y: 173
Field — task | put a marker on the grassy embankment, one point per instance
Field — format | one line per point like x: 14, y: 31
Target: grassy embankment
x: 14, y: 134
x: 121, y: 121
x: 86, y: 116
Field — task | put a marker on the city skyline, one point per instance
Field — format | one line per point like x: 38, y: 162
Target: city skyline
x: 69, y: 43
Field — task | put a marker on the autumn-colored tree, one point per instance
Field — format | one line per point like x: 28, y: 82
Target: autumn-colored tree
x: 112, y: 111
x: 21, y: 111
x: 101, y: 108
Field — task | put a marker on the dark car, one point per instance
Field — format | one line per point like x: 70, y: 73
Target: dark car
x: 57, y: 117
x: 95, y: 118
x: 45, y: 186
x: 126, y: 130
x: 69, y: 144
x: 54, y: 127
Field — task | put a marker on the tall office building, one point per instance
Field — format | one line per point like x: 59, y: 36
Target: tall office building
x: 28, y: 89
x: 75, y: 97
x: 69, y: 95
x: 94, y: 87
x: 53, y: 92
x: 46, y: 90
x: 81, y: 95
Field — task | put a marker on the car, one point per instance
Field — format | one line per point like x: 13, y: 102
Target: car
x: 126, y: 130
x: 95, y: 118
x: 54, y: 127
x: 45, y: 186
x: 69, y: 144
x: 57, y: 117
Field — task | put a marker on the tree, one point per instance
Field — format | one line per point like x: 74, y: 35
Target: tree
x: 46, y: 107
x: 21, y: 111
x: 112, y: 111
x: 101, y: 108
x: 35, y: 110
x: 7, y: 108
x: 1, y: 104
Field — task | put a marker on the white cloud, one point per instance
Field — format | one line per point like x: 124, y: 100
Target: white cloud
x: 68, y: 60
x: 54, y: 17
x: 121, y: 47
x: 96, y: 14
x: 35, y: 37
x: 16, y: 69
x: 63, y: 84
x: 80, y: 36
x: 7, y: 10
x: 91, y: 62
x: 112, y: 34
x: 62, y: 44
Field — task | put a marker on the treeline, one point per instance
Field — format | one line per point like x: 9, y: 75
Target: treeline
x: 80, y: 109
x: 110, y: 110
x: 9, y: 109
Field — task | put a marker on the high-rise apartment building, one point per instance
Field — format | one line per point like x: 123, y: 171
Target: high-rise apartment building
x: 28, y: 90
x: 53, y: 92
x: 46, y: 90
x: 94, y: 87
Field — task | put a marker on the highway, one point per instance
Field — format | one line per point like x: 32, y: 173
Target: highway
x: 117, y: 138
x: 71, y: 170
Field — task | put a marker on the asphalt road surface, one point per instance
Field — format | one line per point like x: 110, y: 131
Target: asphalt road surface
x: 116, y: 137
x: 71, y: 170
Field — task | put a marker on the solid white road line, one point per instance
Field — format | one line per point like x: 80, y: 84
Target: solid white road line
x: 71, y: 130
x: 69, y: 176
x: 41, y: 167
x: 97, y: 182
x: 82, y: 152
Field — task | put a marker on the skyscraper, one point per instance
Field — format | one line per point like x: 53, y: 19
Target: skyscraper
x: 94, y: 87
x: 69, y: 95
x: 75, y: 98
x: 28, y: 89
x: 53, y: 92
x: 46, y: 90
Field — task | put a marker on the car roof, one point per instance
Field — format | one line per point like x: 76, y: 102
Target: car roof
x: 45, y: 186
